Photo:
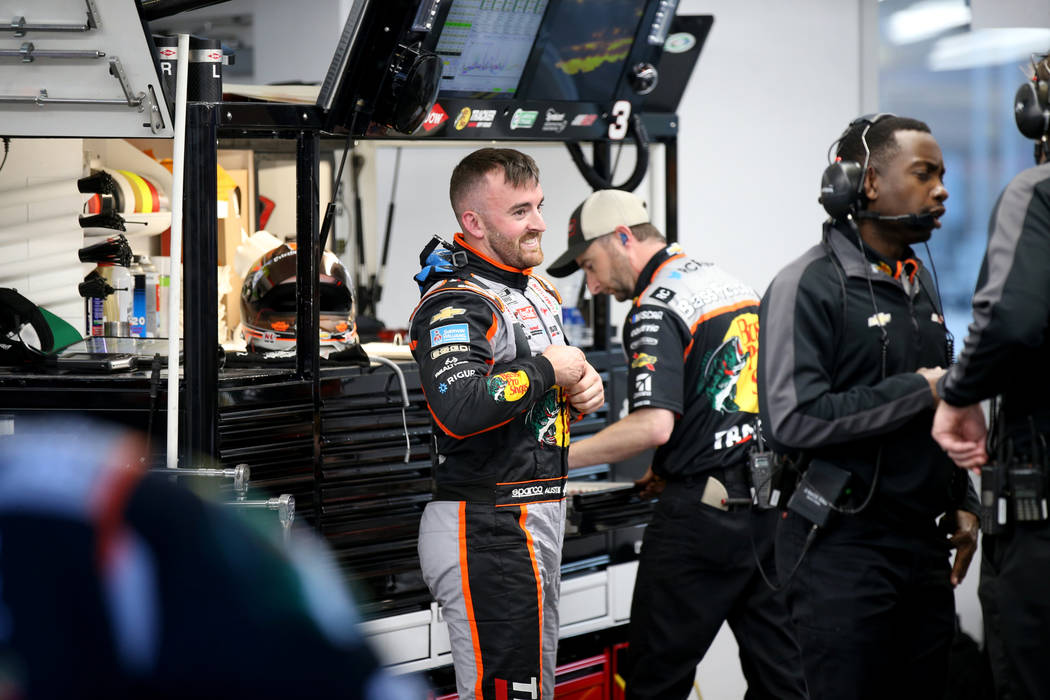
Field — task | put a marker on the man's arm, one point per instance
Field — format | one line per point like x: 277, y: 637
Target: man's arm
x: 797, y: 341
x: 1012, y: 302
x: 640, y: 430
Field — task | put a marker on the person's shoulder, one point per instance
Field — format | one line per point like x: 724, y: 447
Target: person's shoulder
x: 810, y: 269
x: 1029, y: 180
x: 454, y: 297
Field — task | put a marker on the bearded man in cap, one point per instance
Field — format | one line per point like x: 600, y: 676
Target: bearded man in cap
x: 691, y: 339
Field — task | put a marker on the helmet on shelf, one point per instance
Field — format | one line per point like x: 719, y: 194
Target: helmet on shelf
x: 268, y: 302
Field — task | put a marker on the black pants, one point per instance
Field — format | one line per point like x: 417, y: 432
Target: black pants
x: 696, y: 571
x: 1015, y: 598
x: 873, y: 608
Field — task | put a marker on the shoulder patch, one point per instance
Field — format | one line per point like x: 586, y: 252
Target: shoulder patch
x: 452, y: 333
x: 446, y: 313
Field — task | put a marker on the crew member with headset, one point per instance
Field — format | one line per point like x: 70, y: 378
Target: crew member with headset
x: 854, y: 343
x: 1007, y: 353
x: 691, y: 338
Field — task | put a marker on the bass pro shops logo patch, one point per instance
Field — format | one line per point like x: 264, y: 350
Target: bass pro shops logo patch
x: 729, y: 374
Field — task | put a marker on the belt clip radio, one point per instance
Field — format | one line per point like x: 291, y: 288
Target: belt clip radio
x: 994, y: 503
x: 761, y: 472
x: 815, y: 496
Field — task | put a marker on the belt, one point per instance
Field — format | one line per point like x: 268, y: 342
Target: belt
x: 505, y: 493
x: 731, y: 490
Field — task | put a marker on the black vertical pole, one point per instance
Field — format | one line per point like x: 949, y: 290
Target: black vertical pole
x: 671, y: 197
x: 200, y: 290
x: 602, y: 304
x: 307, y: 287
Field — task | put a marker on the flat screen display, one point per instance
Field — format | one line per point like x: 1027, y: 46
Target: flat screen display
x: 583, y: 48
x: 485, y: 45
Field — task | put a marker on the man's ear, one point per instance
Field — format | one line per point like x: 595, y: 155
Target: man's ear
x: 472, y: 225
x: 871, y: 184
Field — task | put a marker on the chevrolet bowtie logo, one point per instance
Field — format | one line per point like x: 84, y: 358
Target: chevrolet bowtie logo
x: 446, y: 313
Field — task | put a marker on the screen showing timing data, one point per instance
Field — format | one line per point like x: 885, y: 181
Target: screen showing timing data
x: 485, y: 44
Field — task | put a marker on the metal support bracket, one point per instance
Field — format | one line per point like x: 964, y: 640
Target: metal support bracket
x: 20, y: 27
x: 29, y: 53
x: 139, y: 100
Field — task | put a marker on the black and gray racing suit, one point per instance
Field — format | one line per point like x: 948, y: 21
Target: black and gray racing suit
x: 871, y: 600
x: 490, y: 541
x: 691, y: 340
x: 1007, y: 352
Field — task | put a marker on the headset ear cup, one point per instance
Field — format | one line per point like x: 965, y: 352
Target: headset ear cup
x: 1030, y: 113
x: 840, y: 188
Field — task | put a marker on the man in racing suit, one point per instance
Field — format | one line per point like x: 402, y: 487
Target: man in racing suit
x: 691, y: 340
x: 1007, y: 352
x: 502, y: 388
x: 854, y: 340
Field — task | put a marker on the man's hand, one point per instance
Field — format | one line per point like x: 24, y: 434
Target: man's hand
x: 588, y: 394
x: 931, y: 375
x: 961, y: 433
x: 650, y: 485
x: 569, y: 364
x: 964, y: 541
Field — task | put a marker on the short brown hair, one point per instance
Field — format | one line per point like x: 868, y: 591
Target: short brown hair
x: 518, y: 169
x: 647, y: 230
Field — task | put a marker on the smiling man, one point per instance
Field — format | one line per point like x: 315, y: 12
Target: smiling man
x: 502, y: 387
x: 853, y: 342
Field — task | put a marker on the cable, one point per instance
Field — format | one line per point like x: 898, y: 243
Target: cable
x: 949, y: 337
x: 7, y: 148
x: 641, y: 165
x: 405, y: 403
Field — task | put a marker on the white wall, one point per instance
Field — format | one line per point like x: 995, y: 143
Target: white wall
x: 39, y: 238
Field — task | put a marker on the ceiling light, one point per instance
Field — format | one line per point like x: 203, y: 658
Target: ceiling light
x: 987, y: 47
x: 927, y: 19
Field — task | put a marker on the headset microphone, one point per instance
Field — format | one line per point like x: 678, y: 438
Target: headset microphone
x: 912, y: 220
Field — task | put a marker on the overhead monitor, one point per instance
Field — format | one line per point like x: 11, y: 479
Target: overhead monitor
x: 484, y: 45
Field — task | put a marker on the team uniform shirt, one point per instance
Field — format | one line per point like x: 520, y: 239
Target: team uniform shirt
x: 824, y: 389
x: 692, y: 347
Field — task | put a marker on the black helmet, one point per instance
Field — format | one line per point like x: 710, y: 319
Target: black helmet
x: 268, y: 302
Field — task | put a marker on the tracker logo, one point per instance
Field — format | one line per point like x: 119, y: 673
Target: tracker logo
x: 436, y: 118
x: 531, y: 689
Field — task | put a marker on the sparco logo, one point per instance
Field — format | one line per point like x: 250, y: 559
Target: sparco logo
x: 527, y: 491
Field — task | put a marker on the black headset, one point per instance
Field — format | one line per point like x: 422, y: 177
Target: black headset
x: 1032, y: 108
x: 842, y: 184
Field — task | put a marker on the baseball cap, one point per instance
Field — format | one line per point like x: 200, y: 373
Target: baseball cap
x: 599, y: 214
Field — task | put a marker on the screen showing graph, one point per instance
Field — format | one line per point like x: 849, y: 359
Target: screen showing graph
x: 485, y: 44
x: 585, y: 44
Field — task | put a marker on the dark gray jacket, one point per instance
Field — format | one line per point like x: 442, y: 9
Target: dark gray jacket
x: 822, y: 386
x: 1008, y: 348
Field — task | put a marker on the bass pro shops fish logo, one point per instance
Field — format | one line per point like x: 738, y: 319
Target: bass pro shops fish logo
x: 728, y: 378
x: 549, y: 421
x: 508, y: 386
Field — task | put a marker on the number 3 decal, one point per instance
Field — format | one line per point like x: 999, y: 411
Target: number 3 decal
x: 621, y: 113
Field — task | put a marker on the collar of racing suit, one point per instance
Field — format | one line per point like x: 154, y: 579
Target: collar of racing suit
x: 649, y: 271
x: 455, y: 261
